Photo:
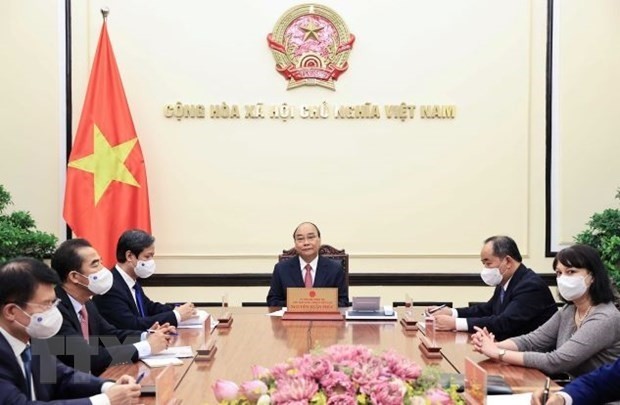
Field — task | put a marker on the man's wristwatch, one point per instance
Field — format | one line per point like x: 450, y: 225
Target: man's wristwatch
x: 502, y: 352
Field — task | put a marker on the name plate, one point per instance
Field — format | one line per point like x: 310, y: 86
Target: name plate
x: 475, y: 383
x: 312, y: 300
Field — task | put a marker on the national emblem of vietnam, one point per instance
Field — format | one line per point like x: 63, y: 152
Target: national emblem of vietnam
x: 311, y: 45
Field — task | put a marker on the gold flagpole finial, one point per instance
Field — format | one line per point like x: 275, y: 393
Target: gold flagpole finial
x: 104, y: 12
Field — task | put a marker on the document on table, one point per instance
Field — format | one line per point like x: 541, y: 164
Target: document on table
x: 171, y: 355
x: 174, y: 351
x: 162, y: 362
x: 195, y: 322
x: 515, y: 399
x: 279, y: 313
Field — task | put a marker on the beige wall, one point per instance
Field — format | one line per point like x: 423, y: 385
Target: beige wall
x: 415, y: 196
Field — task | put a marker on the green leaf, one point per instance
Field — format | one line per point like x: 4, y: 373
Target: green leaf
x: 19, y: 236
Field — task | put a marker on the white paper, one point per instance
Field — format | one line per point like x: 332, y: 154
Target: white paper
x: 195, y: 322
x: 162, y: 362
x: 174, y: 351
x: 515, y: 399
x: 279, y: 313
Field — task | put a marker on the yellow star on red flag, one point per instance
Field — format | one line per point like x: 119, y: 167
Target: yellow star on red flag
x: 107, y: 163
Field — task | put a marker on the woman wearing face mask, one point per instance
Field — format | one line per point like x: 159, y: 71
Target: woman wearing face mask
x: 582, y: 336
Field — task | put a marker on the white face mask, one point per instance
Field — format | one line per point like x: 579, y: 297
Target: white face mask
x: 44, y: 325
x: 99, y: 282
x: 145, y: 269
x: 491, y: 276
x: 572, y: 287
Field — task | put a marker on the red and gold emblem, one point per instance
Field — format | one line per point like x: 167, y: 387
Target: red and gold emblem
x: 311, y: 45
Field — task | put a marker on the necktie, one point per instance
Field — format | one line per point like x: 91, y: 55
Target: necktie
x: 308, y: 277
x: 139, y: 301
x: 84, y: 322
x: 501, y: 295
x: 27, y: 359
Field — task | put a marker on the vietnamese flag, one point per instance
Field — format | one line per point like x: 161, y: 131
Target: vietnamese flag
x: 106, y: 191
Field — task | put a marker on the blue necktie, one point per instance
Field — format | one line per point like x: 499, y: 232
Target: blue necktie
x: 501, y: 295
x: 139, y: 299
x: 27, y: 359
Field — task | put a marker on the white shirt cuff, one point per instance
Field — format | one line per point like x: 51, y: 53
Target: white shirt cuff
x: 144, y: 349
x: 100, y: 399
x: 177, y: 314
x: 567, y: 399
x: 455, y: 313
x: 461, y: 324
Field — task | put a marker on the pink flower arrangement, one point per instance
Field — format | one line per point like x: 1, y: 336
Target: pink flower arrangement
x: 339, y: 375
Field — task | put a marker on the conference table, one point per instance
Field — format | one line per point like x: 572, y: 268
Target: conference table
x: 255, y: 338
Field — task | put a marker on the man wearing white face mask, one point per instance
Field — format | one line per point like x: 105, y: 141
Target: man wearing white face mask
x: 28, y: 372
x: 126, y: 305
x: 92, y: 343
x: 520, y: 303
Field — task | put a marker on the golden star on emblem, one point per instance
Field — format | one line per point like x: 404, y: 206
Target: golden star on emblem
x: 107, y: 163
x: 311, y: 30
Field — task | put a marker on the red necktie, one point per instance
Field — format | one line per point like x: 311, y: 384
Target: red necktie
x: 308, y: 277
x: 84, y: 322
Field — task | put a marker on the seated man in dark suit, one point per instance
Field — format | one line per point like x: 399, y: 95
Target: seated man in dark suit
x: 125, y: 305
x: 28, y: 372
x: 93, y: 343
x: 308, y: 269
x: 520, y: 303
x: 597, y: 387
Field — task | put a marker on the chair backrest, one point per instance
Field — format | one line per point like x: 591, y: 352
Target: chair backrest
x: 327, y: 251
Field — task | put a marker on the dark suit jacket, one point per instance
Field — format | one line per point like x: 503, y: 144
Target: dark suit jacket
x: 598, y: 387
x: 528, y: 303
x: 53, y: 381
x: 107, y: 345
x: 118, y: 307
x: 287, y: 273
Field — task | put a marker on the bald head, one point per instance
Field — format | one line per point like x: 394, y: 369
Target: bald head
x: 316, y: 228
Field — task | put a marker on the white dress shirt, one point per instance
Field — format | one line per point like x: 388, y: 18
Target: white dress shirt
x: 313, y: 264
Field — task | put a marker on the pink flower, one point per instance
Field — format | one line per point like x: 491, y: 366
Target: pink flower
x: 280, y: 371
x: 368, y: 374
x: 320, y: 367
x: 336, y: 383
x: 302, y: 364
x: 253, y: 389
x: 342, y: 399
x: 388, y: 393
x: 290, y: 390
x: 438, y: 396
x: 349, y: 354
x: 261, y: 373
x: 225, y: 390
x: 401, y: 367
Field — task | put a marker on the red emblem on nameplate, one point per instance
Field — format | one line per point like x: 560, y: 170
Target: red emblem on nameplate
x: 311, y: 45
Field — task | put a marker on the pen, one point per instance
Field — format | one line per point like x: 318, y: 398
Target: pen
x: 140, y: 377
x: 169, y: 333
x: 545, y: 395
x: 432, y: 311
